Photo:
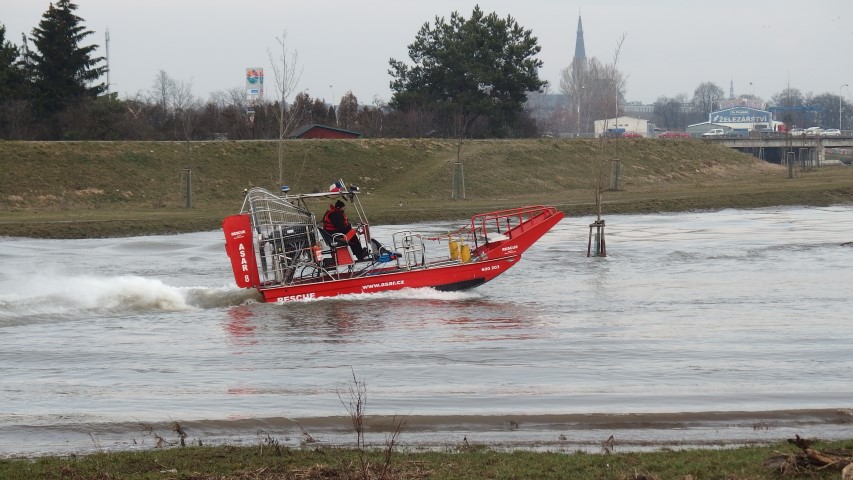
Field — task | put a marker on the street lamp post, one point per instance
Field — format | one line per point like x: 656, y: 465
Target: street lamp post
x: 578, y: 101
x: 839, y: 105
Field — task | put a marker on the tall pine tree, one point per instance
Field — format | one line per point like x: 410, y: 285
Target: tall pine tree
x: 63, y: 72
x: 11, y: 73
x: 469, y: 69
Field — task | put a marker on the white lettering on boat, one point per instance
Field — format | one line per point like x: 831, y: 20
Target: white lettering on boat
x: 509, y: 248
x: 296, y: 298
x: 383, y: 284
x: 238, y: 234
x: 244, y: 264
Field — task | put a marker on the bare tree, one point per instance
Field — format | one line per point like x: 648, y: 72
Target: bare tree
x: 233, y: 97
x: 228, y: 111
x: 371, y: 119
x: 596, y: 90
x: 792, y: 105
x: 161, y: 90
x: 670, y: 112
x: 572, y: 84
x: 706, y: 98
x: 610, y: 85
x: 287, y: 74
x: 184, y: 107
x: 460, y: 126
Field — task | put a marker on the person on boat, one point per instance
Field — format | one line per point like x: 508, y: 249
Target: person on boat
x: 335, y: 221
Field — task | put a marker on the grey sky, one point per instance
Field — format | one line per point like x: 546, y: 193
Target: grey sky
x: 671, y: 45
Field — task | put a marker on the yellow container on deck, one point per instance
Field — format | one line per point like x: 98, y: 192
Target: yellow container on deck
x: 466, y: 253
x: 454, y: 249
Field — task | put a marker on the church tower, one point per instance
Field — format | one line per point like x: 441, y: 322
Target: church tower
x: 580, y: 51
x: 577, y: 79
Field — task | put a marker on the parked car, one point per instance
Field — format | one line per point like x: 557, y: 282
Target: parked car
x: 631, y: 135
x: 613, y: 133
x: 714, y: 132
x: 813, y: 131
x: 831, y: 132
x: 674, y: 135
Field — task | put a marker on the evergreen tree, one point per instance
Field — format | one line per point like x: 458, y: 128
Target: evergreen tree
x: 63, y: 71
x: 468, y: 69
x: 11, y: 74
x: 318, y: 111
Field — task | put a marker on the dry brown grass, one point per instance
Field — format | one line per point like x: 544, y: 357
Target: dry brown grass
x: 92, y: 189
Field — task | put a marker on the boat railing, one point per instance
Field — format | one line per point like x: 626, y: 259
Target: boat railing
x: 409, y: 248
x: 506, y: 224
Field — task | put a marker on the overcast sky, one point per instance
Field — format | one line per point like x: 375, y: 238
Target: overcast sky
x: 671, y: 45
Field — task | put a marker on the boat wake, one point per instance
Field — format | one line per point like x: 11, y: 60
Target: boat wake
x: 68, y: 296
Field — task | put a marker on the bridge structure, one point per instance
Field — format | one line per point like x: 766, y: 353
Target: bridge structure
x: 781, y: 148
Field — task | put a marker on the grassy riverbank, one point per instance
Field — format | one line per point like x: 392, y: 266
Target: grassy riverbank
x: 75, y: 190
x: 99, y: 189
x: 268, y: 461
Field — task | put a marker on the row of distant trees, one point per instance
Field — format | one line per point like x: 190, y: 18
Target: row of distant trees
x: 50, y: 88
x: 465, y: 78
x: 791, y: 105
x: 596, y: 91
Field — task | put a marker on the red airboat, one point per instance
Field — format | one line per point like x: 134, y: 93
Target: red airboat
x: 275, y: 246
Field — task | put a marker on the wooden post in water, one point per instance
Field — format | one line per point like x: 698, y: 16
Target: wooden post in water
x: 596, y: 248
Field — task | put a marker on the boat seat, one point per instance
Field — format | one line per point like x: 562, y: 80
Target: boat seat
x: 332, y: 239
x: 338, y: 247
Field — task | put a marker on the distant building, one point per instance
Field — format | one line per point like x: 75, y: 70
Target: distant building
x: 323, y: 131
x: 735, y: 118
x: 742, y: 102
x: 638, y: 109
x: 624, y: 124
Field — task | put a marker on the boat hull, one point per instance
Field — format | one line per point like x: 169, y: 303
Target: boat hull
x: 445, y: 278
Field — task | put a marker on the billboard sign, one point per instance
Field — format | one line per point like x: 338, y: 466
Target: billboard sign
x: 254, y: 85
x: 740, y: 115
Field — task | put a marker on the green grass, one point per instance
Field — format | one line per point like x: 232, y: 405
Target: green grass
x: 266, y: 461
x: 95, y: 189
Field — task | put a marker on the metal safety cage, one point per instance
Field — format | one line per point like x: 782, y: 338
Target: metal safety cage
x: 285, y: 234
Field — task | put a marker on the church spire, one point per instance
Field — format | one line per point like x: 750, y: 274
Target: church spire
x: 580, y: 51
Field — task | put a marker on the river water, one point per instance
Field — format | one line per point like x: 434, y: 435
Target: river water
x: 717, y: 328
